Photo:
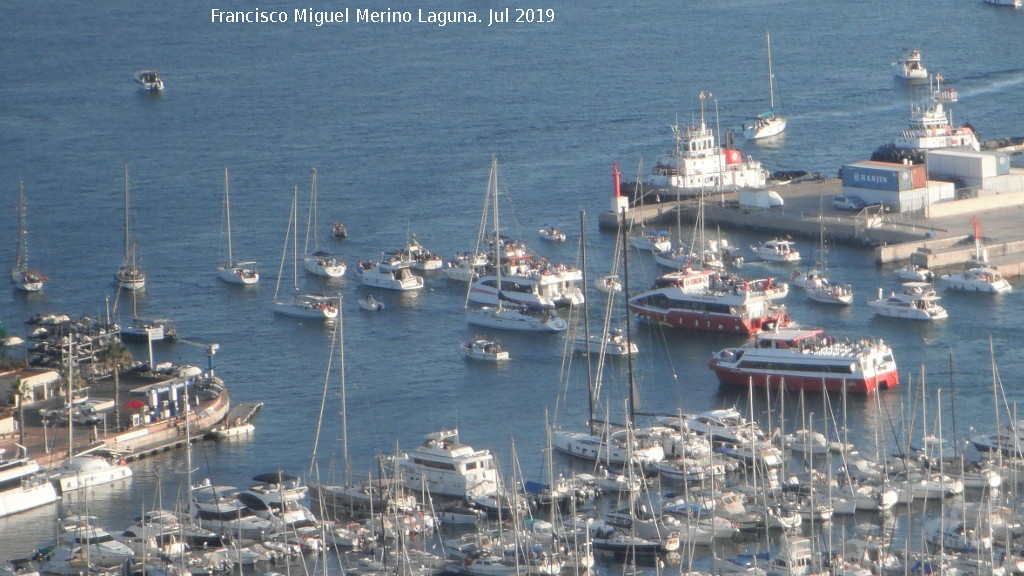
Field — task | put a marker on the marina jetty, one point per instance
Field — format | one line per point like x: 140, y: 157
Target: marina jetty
x: 80, y: 393
x: 971, y: 225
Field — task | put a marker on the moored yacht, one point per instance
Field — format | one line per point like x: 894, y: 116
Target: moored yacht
x: 218, y: 508
x: 797, y: 359
x: 98, y: 545
x: 390, y: 275
x: 22, y: 486
x: 85, y: 470
x: 707, y: 301
x: 777, y: 250
x: 616, y: 447
x: 979, y: 277
x: 915, y: 301
x: 444, y: 466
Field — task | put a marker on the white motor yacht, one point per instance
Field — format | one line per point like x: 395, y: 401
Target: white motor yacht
x: 915, y: 301
x: 980, y: 278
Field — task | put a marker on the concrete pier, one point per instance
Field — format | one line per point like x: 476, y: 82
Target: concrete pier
x: 939, y: 237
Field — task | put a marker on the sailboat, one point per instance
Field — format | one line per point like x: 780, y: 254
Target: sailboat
x: 302, y: 304
x: 129, y: 276
x: 601, y: 444
x: 502, y: 316
x: 21, y: 277
x: 767, y: 123
x: 230, y: 271
x: 822, y: 290
x: 319, y: 262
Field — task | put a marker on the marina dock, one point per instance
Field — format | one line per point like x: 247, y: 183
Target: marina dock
x: 940, y: 236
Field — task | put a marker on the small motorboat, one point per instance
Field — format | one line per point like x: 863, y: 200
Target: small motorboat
x: 228, y: 431
x: 550, y: 232
x: 914, y: 273
x: 484, y: 349
x: 338, y: 230
x: 370, y: 303
x: 909, y: 66
x: 777, y: 250
x: 150, y: 80
x: 608, y: 283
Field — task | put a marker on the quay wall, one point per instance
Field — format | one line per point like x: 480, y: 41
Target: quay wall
x: 975, y: 205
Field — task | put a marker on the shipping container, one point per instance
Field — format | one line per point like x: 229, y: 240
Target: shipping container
x: 884, y: 176
x: 963, y: 164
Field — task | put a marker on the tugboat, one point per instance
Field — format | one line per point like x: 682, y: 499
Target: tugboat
x: 931, y: 127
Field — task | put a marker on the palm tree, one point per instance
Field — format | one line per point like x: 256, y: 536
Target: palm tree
x: 115, y: 356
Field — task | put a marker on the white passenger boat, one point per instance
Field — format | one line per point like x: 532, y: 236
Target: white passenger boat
x: 777, y: 250
x: 22, y: 485
x: 914, y: 301
x: 390, y: 275
x: 149, y: 80
x: 797, y: 359
x: 705, y: 300
x: 484, y: 349
x: 909, y: 66
x: 979, y: 277
x: 443, y: 466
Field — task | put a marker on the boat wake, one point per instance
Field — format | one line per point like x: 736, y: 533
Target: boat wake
x: 995, y: 82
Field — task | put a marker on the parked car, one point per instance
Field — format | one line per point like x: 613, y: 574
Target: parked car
x: 847, y: 203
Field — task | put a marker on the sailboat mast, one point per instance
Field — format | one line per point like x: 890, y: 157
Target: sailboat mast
x: 295, y: 236
x: 492, y: 184
x: 586, y: 322
x: 227, y: 213
x: 344, y: 409
x: 771, y: 77
x: 127, y: 233
x: 21, y: 263
x: 631, y: 401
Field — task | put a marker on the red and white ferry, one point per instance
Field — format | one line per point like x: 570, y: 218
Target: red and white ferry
x: 798, y: 359
x: 708, y: 301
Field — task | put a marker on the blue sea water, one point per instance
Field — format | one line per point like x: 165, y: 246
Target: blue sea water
x: 401, y: 120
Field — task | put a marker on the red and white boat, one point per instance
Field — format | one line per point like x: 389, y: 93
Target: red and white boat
x: 712, y: 302
x: 697, y: 164
x: 798, y: 359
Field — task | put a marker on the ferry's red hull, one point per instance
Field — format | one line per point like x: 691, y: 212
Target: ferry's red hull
x: 711, y: 322
x: 859, y: 385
